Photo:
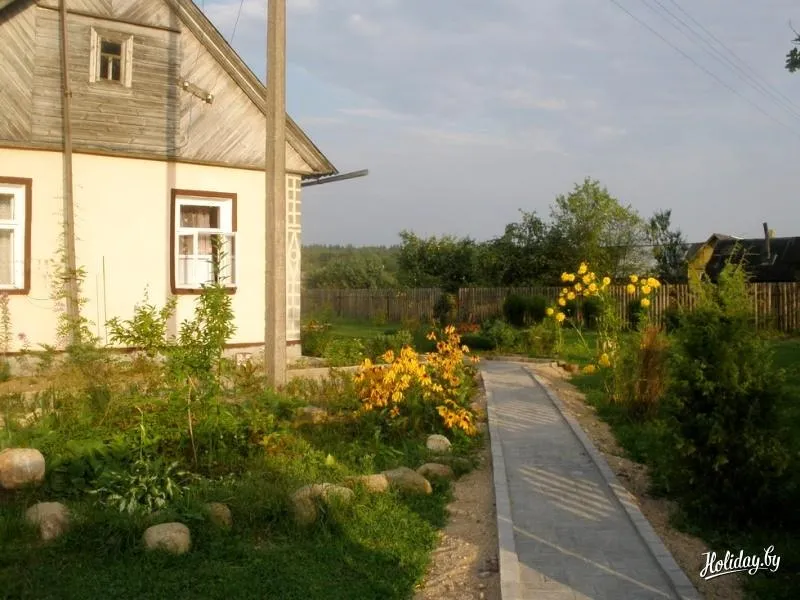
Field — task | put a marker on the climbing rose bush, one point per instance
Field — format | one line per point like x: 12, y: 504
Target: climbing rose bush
x: 419, y: 393
x: 584, y: 283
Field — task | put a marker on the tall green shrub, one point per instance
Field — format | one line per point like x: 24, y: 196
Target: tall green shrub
x: 724, y: 393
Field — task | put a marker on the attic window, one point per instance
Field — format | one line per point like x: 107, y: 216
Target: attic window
x: 111, y: 58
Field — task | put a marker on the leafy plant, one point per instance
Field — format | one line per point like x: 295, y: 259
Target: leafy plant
x: 501, y: 334
x: 343, y: 352
x: 146, y: 330
x: 315, y: 336
x: 147, y: 486
x: 724, y: 395
x: 414, y: 397
x: 445, y: 310
x: 389, y: 341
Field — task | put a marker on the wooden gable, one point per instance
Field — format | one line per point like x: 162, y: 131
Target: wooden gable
x: 179, y: 61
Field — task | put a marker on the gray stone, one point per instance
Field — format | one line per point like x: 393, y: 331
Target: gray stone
x: 220, y: 515
x: 174, y: 538
x: 305, y: 500
x: 408, y: 480
x: 429, y: 470
x: 20, y: 467
x: 51, y: 518
x: 438, y: 443
x: 377, y: 483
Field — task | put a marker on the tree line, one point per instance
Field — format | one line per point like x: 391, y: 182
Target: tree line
x: 587, y: 224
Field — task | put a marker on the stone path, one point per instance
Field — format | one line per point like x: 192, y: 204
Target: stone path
x: 566, y: 528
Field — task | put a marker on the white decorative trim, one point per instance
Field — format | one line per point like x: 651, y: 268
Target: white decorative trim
x: 293, y: 251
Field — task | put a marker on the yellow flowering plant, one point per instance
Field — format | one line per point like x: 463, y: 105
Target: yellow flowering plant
x: 414, y: 393
x: 583, y: 284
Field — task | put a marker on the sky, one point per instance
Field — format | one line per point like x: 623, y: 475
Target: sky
x: 467, y: 111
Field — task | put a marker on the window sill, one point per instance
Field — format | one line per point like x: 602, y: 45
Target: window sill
x: 183, y: 291
x: 13, y: 291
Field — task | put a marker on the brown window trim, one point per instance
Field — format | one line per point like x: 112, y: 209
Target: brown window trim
x: 26, y: 284
x: 177, y: 193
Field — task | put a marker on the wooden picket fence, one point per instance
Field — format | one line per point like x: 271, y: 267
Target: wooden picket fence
x: 776, y: 305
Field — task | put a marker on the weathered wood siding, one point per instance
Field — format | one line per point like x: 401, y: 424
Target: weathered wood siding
x: 105, y: 115
x: 232, y: 129
x: 17, y: 42
x: 155, y: 117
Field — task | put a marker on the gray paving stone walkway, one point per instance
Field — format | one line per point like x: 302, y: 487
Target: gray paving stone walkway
x: 572, y: 535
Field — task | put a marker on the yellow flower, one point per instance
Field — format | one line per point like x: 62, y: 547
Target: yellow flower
x: 564, y: 291
x: 571, y: 277
x: 593, y: 287
x: 631, y: 289
x: 589, y: 369
x: 645, y: 302
x: 606, y: 281
x: 565, y: 276
x: 582, y: 269
x: 646, y: 289
x: 604, y: 360
x: 562, y: 302
x: 549, y: 312
x: 634, y: 279
x: 578, y: 287
x: 560, y: 317
x: 571, y: 296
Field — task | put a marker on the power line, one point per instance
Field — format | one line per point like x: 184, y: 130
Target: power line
x: 721, y: 57
x: 702, y: 68
x: 733, y: 54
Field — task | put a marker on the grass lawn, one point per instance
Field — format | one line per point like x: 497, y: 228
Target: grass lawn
x: 253, y: 454
x: 639, y: 441
x: 365, y: 330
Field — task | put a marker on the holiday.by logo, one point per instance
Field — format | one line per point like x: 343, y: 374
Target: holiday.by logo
x: 734, y: 564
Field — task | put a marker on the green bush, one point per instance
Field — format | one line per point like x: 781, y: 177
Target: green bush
x: 477, y: 341
x: 520, y: 311
x: 445, y: 311
x: 592, y: 308
x: 723, y: 396
x: 672, y: 318
x: 394, y: 341
x: 344, y: 352
x: 541, y: 340
x: 501, y: 334
x: 314, y: 337
x: 635, y: 313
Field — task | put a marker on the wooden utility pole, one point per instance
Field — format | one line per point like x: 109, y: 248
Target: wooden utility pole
x: 275, y: 223
x: 70, y: 270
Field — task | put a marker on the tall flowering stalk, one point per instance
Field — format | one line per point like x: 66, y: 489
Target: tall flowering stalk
x: 583, y: 284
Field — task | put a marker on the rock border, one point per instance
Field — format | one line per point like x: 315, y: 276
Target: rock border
x: 506, y: 545
x: 677, y: 579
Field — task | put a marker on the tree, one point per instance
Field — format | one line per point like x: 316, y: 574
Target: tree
x: 446, y: 262
x: 793, y: 58
x: 589, y: 224
x: 669, y: 247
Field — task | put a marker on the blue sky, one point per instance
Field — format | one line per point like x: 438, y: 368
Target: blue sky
x: 466, y: 111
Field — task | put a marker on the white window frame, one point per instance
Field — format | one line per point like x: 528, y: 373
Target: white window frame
x: 17, y: 225
x: 225, y: 229
x: 126, y: 57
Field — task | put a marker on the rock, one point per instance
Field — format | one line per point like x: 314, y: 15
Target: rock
x: 51, y: 518
x: 20, y: 467
x: 408, y: 480
x: 438, y: 443
x: 174, y: 538
x: 311, y: 415
x: 372, y: 483
x: 429, y: 470
x: 304, y: 500
x: 220, y: 515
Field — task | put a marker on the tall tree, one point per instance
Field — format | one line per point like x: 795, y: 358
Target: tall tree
x: 592, y: 225
x: 447, y: 262
x: 793, y: 58
x: 669, y: 247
